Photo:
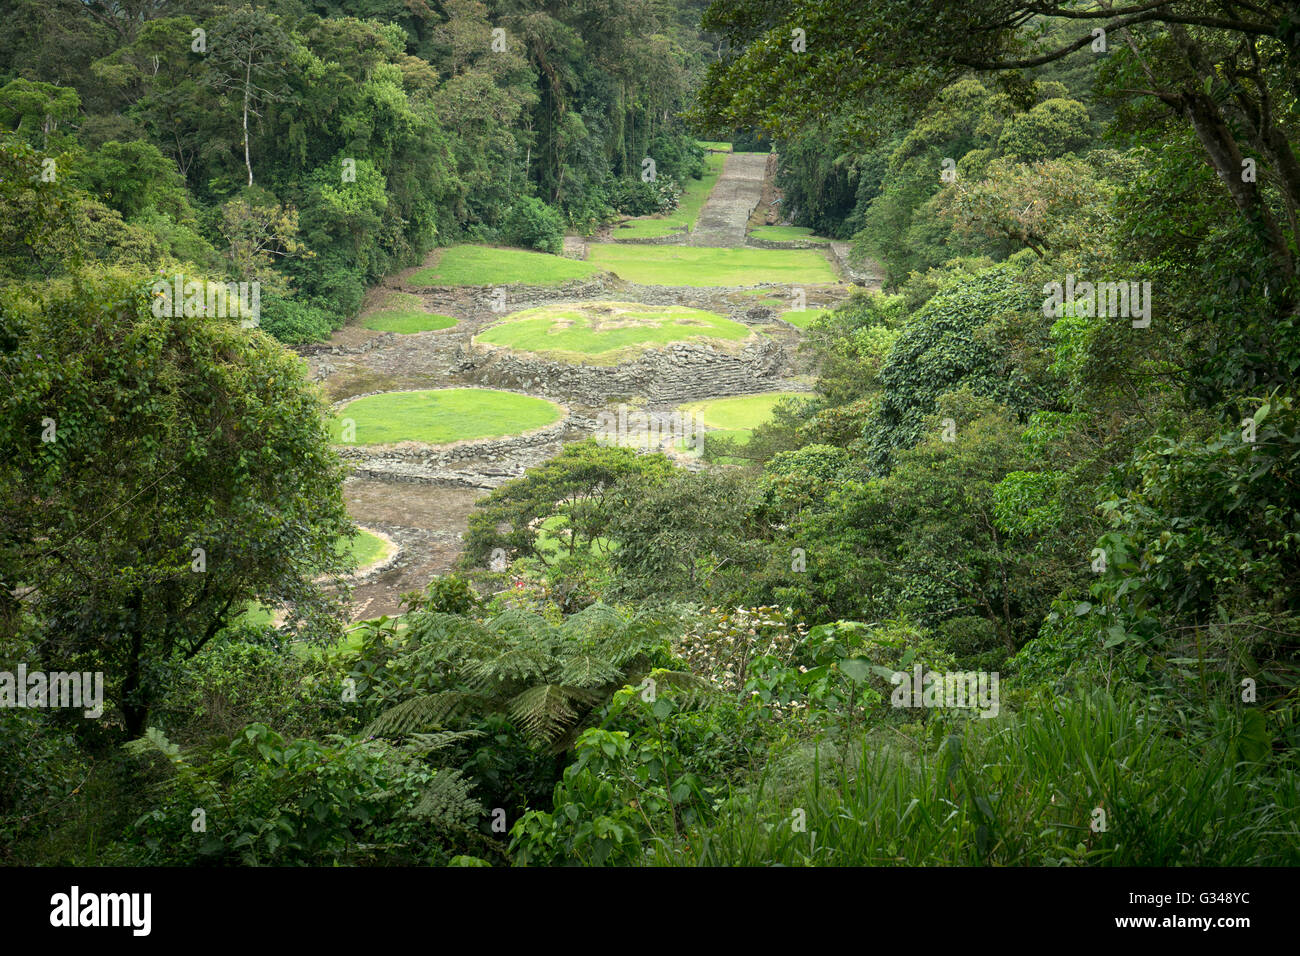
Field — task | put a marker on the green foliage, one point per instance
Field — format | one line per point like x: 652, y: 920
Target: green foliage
x: 578, y: 485
x: 681, y: 536
x: 265, y: 800
x: 206, y: 430
x: 243, y: 680
x: 1022, y: 790
x: 944, y: 347
x: 1051, y: 128
x: 634, y: 197
x: 549, y: 679
x: 531, y: 224
x: 448, y: 594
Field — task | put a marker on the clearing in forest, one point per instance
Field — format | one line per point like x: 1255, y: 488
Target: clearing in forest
x: 493, y: 265
x: 705, y: 267
x: 606, y: 333
x: 440, y: 416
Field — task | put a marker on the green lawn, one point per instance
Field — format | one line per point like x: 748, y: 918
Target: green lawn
x: 442, y: 415
x: 605, y: 333
x: 403, y: 312
x: 366, y: 549
x: 805, y: 318
x: 718, y: 147
x: 490, y: 265
x: 785, y: 233
x: 703, y: 266
x: 681, y: 219
x: 257, y: 614
x: 736, y: 418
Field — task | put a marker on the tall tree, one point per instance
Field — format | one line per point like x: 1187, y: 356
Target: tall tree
x: 249, y: 58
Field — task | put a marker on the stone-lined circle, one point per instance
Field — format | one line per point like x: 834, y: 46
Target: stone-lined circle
x: 609, y: 332
x: 441, y: 416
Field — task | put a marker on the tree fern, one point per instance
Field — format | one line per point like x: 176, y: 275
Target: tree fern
x: 548, y: 679
x: 447, y: 800
x: 425, y: 713
x: 544, y: 711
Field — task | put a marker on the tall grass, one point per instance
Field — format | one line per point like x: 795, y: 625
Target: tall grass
x: 1020, y: 790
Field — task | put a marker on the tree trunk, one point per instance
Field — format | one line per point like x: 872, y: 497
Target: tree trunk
x: 135, y: 711
x: 248, y: 79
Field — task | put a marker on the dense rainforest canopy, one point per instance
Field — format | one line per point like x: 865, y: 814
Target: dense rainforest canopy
x: 1047, y: 448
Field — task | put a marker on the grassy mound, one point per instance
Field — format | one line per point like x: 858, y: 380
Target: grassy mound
x: 605, y: 333
x: 441, y: 416
x: 490, y: 265
x: 681, y: 219
x: 702, y: 266
x: 402, y: 312
x: 786, y: 234
x: 736, y: 418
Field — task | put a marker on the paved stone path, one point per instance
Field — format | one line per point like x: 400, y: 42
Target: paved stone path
x: 726, y: 212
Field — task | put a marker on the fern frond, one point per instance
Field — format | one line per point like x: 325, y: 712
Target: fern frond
x: 421, y: 714
x: 546, y: 710
x: 457, y: 636
x: 154, y: 740
x: 589, y: 670
x: 429, y: 743
x: 447, y: 801
x: 522, y: 627
x: 592, y: 625
x: 520, y: 663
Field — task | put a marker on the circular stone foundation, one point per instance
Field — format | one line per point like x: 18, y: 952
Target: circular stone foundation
x: 736, y: 416
x: 608, y: 333
x: 440, y: 416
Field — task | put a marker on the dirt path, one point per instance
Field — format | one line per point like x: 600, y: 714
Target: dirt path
x: 726, y: 212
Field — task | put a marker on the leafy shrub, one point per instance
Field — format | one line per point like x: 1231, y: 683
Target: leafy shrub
x: 633, y: 197
x: 446, y: 594
x: 293, y: 321
x: 229, y: 685
x: 268, y: 801
x: 531, y: 224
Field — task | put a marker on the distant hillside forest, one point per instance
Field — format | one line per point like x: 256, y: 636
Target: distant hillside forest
x: 216, y: 138
x: 1009, y: 575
